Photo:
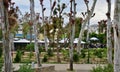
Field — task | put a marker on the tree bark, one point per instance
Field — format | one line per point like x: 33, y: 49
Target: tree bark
x: 45, y: 33
x: 6, y: 39
x: 35, y: 31
x: 12, y: 44
x: 83, y: 26
x: 109, y: 42
x: 117, y: 36
x: 72, y: 21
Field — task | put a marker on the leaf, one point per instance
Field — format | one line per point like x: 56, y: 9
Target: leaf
x: 55, y: 11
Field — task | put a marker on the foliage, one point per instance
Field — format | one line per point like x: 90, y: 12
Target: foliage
x: 0, y: 34
x: 93, y: 34
x: 18, y: 56
x: 50, y: 52
x: 102, y: 38
x: 25, y: 68
x: 83, y: 55
x: 0, y: 52
x: 108, y: 68
x: 78, y: 22
x: 26, y: 28
x: 75, y: 57
x: 30, y: 47
x: 97, y: 69
x: 41, y: 49
x: 98, y: 53
x: 1, y: 65
x: 45, y: 59
x: 30, y: 55
x: 65, y: 53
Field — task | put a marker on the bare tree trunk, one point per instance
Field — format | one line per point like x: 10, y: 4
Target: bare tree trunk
x: 88, y: 27
x: 12, y: 43
x: 58, y: 49
x: 117, y: 36
x: 50, y: 9
x: 6, y: 39
x: 72, y: 21
x: 45, y: 33
x: 109, y: 25
x: 83, y: 26
x: 35, y: 31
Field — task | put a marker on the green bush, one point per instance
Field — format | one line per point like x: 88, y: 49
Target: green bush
x: 65, y: 53
x: 18, y: 57
x: 50, y: 52
x: 76, y: 57
x: 25, y: 68
x: 30, y: 47
x: 98, y: 53
x: 108, y: 68
x: 45, y: 59
x: 83, y: 55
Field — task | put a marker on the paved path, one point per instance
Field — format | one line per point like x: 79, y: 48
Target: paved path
x: 77, y: 67
x: 64, y: 67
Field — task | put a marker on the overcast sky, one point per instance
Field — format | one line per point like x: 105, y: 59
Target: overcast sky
x: 100, y: 9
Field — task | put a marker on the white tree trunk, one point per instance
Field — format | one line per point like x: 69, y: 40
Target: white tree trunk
x: 6, y: 39
x: 45, y: 33
x: 109, y: 43
x: 83, y: 26
x: 117, y: 36
x: 72, y: 34
x: 35, y: 31
x: 109, y: 25
x: 12, y: 43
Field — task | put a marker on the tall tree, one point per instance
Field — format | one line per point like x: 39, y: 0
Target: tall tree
x: 45, y: 33
x: 72, y: 22
x: 4, y: 4
x: 117, y: 36
x: 109, y: 26
x: 34, y: 21
x: 102, y: 26
x: 84, y: 24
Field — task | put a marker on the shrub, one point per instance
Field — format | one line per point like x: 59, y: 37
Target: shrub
x: 30, y: 55
x: 83, y: 55
x: 76, y: 57
x: 98, y: 53
x: 45, y: 59
x: 65, y: 53
x: 25, y: 68
x: 30, y: 47
x: 50, y: 52
x: 18, y: 56
x: 108, y: 68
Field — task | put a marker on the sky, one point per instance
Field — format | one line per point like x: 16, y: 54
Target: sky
x: 100, y: 9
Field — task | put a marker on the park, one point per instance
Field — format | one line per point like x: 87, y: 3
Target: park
x: 59, y: 36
